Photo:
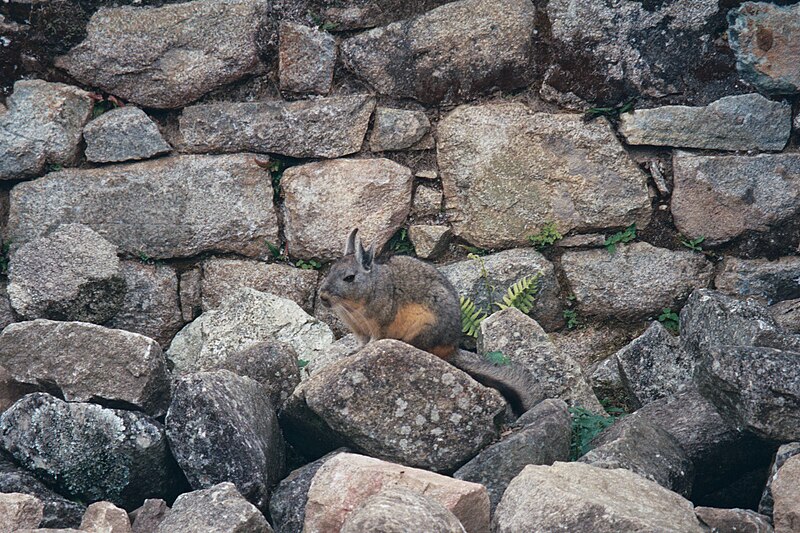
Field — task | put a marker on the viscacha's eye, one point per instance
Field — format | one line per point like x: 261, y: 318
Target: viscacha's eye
x: 350, y: 278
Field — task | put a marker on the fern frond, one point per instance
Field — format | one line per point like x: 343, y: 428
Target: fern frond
x: 471, y: 317
x: 521, y: 294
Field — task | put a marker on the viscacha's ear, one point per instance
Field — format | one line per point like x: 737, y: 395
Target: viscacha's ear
x: 350, y: 246
x: 365, y: 257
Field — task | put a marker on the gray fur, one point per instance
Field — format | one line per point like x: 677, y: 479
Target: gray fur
x: 514, y: 382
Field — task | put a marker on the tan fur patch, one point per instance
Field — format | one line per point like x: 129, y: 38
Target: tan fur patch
x: 410, y: 320
x: 444, y: 351
x: 354, y: 315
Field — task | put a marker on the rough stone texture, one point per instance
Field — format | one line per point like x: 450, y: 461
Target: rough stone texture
x: 766, y: 505
x: 451, y: 53
x: 741, y: 122
x: 7, y: 315
x: 70, y: 274
x: 786, y: 491
x: 105, y: 517
x: 398, y: 510
x: 398, y: 129
x: 733, y: 520
x: 190, y: 294
x: 591, y: 343
x: 208, y: 203
x: 58, y: 511
x: 637, y: 281
x: 787, y: 315
x: 19, y: 511
x: 654, y: 366
x: 359, y: 14
x: 306, y: 57
x: 325, y: 127
x: 122, y: 134
x: 244, y: 318
x: 427, y: 202
x: 765, y: 39
x: 346, y: 480
x: 375, y: 194
x: 42, y: 125
x: 756, y: 388
x: 85, y: 362
x: 219, y: 509
x: 149, y: 516
x: 166, y: 57
x: 223, y: 276
x: 88, y: 452
x: 644, y: 449
x: 543, y: 440
x: 576, y: 497
x: 651, y: 50
x: 343, y: 347
x: 398, y: 403
x: 150, y: 306
x: 273, y: 364
x: 503, y: 269
x: 222, y: 427
x: 504, y: 176
x: 720, y: 197
x: 524, y: 342
x: 769, y: 281
x: 429, y: 241
x: 606, y: 382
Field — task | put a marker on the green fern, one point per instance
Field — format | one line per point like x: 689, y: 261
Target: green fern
x: 521, y: 295
x: 471, y: 317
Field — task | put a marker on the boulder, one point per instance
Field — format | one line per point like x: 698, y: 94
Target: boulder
x: 123, y: 134
x: 84, y: 362
x: 768, y: 281
x: 786, y: 491
x: 398, y: 403
x: 169, y: 56
x: 738, y: 520
x: 222, y: 427
x: 399, y: 129
x: 429, y: 241
x: 105, y: 517
x: 89, y: 452
x: 486, y: 279
x: 740, y: 122
x: 215, y: 203
x: 324, y: 127
x: 721, y: 197
x: 70, y: 274
x: 576, y: 497
x: 306, y: 57
x: 452, y: 53
x: 591, y: 342
x: 767, y: 503
x: 223, y: 276
x: 147, y: 517
x: 218, y: 509
x: 521, y: 340
x: 504, y: 178
x: 398, y: 510
x: 637, y: 281
x: 542, y: 439
x: 765, y: 39
x: 19, y: 511
x: 271, y: 363
x: 246, y: 317
x: 346, y: 480
x: 41, y: 126
x: 787, y: 315
x: 374, y: 193
x: 427, y: 202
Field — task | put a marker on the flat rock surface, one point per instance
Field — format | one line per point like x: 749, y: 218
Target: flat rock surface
x: 169, y: 56
x: 215, y: 203
x: 504, y: 177
x: 738, y: 520
x: 85, y: 362
x: 786, y: 491
x: 768, y: 281
x: 375, y: 193
x: 454, y: 52
x: 19, y: 511
x: 102, y: 517
x: 397, y: 510
x: 306, y: 57
x: 637, y: 281
x: 742, y: 122
x: 123, y: 134
x: 325, y: 127
x: 397, y: 129
x: 721, y: 197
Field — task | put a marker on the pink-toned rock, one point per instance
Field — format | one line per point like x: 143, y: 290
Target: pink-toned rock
x: 347, y: 480
x: 786, y: 493
x: 19, y: 511
x: 105, y: 517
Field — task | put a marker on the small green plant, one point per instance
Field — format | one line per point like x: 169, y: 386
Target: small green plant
x: 586, y: 425
x: 693, y: 244
x: 54, y: 167
x: 471, y: 317
x: 301, y: 363
x: 669, y: 319
x: 473, y: 250
x: 400, y: 243
x: 497, y: 358
x: 571, y: 316
x: 277, y: 252
x: 521, y: 294
x: 547, y: 236
x: 328, y: 26
x: 610, y: 112
x: 620, y: 237
x: 311, y: 264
